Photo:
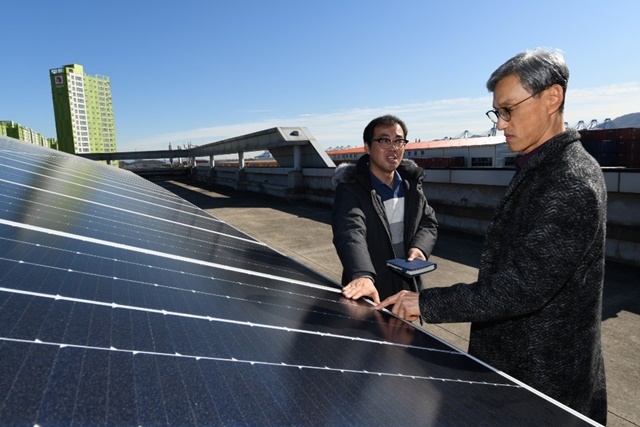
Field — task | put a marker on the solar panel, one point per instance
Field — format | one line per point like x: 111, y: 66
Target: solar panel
x: 122, y: 304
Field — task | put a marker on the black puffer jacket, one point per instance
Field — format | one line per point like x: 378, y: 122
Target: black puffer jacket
x: 361, y: 232
x: 536, y: 307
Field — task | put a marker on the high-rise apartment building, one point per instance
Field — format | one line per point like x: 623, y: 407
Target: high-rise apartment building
x: 83, y: 110
x: 23, y: 133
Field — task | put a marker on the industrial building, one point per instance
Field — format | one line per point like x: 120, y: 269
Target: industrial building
x: 619, y: 147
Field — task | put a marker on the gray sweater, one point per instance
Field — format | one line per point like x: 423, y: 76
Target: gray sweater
x: 536, y: 307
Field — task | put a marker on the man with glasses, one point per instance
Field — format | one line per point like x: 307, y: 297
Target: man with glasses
x: 380, y: 212
x: 535, y: 310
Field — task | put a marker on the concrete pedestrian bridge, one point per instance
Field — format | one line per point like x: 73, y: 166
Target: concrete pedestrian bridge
x: 291, y: 147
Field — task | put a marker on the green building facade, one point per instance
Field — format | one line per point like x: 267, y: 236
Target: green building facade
x: 23, y: 133
x: 83, y: 111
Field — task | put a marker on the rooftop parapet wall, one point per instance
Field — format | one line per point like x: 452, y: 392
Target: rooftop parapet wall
x: 464, y: 198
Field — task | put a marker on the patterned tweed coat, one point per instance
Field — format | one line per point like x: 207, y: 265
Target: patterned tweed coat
x: 536, y: 307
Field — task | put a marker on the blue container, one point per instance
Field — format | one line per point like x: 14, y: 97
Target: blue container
x: 608, y: 153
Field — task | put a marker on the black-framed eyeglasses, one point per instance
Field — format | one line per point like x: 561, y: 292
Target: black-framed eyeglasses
x: 504, y: 113
x: 386, y: 142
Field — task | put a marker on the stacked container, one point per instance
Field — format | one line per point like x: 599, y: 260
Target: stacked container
x: 613, y: 147
x: 629, y: 148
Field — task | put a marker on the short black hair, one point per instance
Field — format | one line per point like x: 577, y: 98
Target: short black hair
x: 386, y: 120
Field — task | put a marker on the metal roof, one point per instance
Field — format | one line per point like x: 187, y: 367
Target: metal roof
x: 441, y: 143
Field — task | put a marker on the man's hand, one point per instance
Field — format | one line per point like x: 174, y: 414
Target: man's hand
x: 415, y: 253
x: 405, y: 305
x: 361, y: 287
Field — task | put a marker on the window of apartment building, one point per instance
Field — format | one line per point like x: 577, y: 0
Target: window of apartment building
x: 481, y: 161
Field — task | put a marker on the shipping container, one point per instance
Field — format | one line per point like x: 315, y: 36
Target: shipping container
x: 593, y: 134
x: 629, y: 134
x: 610, y: 134
x: 608, y: 153
x: 629, y: 154
x: 605, y: 152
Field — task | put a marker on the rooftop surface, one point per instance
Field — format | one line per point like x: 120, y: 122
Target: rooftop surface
x: 302, y: 231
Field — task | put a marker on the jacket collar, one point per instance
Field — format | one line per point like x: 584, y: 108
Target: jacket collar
x: 550, y: 148
x: 349, y: 172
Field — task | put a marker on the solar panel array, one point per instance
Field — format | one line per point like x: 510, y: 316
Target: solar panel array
x: 122, y: 304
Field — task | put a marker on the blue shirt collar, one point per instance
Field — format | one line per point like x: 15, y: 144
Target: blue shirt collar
x: 383, y: 189
x: 397, y: 180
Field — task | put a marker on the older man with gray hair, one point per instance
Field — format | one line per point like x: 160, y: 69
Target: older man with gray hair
x: 535, y: 310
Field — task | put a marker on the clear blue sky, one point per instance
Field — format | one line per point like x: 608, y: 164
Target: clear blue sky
x: 202, y: 70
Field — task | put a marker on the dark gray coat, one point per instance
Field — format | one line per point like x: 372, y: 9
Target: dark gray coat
x: 536, y: 307
x: 361, y: 231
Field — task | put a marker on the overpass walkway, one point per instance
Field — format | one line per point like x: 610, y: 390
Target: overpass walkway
x: 302, y: 231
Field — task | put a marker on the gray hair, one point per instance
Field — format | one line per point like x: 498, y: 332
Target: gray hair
x: 537, y: 70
